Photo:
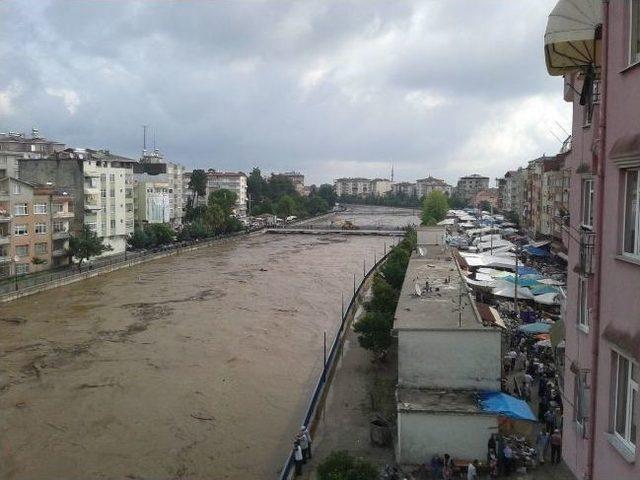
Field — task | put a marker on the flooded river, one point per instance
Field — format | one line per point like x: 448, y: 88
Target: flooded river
x: 192, y: 366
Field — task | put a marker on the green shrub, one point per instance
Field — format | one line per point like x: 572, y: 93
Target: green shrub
x: 340, y: 465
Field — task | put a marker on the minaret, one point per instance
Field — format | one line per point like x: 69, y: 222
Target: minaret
x: 392, y: 173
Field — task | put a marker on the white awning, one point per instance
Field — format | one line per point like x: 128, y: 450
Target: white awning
x: 570, y: 38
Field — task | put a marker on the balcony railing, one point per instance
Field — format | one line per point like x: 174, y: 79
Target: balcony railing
x: 60, y: 235
x: 63, y: 214
x: 587, y: 244
x: 61, y: 252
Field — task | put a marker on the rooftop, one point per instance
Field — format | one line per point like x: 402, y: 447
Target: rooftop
x: 438, y: 401
x: 447, y: 306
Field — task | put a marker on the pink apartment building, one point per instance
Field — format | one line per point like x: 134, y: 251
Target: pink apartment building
x: 595, y: 45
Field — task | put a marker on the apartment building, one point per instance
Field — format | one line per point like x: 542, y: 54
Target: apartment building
x: 34, y: 227
x: 154, y: 163
x: 490, y: 196
x: 152, y: 198
x: 469, y: 185
x: 233, y: 181
x: 380, y: 186
x: 356, y: 187
x: 425, y: 186
x: 16, y: 146
x: 602, y: 320
x: 101, y: 184
x: 406, y: 189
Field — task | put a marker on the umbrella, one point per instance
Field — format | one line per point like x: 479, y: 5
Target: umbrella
x: 537, y: 327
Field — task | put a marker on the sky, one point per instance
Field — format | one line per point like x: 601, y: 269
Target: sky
x: 330, y: 88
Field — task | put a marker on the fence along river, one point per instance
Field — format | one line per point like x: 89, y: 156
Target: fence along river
x: 196, y: 366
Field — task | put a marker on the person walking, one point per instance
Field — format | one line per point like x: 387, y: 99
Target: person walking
x: 508, y: 459
x: 472, y: 470
x: 556, y: 446
x: 297, y: 458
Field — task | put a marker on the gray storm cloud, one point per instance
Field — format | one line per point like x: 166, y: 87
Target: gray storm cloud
x: 330, y: 88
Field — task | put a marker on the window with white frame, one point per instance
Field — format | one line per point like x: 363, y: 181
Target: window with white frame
x: 22, y: 250
x: 17, y: 189
x: 40, y: 248
x: 20, y: 230
x: 631, y: 220
x: 41, y: 228
x: 21, y: 209
x: 634, y: 31
x: 586, y: 210
x: 583, y: 303
x: 624, y: 385
x: 40, y: 208
x: 58, y: 208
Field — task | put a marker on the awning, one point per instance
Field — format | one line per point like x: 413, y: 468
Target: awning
x: 490, y: 315
x: 570, y: 38
x: 548, y: 299
x: 536, y: 252
x: 508, y: 291
x: 503, y: 404
x: 625, y: 152
x: 533, y: 328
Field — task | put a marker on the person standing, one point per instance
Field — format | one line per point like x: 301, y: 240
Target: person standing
x: 447, y: 467
x: 297, y: 458
x: 508, y: 459
x: 493, y: 464
x: 305, y: 442
x: 491, y: 445
x: 542, y: 444
x: 472, y: 470
x: 556, y: 447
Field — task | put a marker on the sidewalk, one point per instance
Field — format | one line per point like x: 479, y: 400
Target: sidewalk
x: 348, y: 410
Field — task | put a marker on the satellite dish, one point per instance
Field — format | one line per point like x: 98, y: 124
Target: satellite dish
x: 417, y: 289
x: 421, y: 251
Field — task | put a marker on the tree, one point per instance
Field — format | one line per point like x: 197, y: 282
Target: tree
x: 279, y: 185
x: 340, y: 465
x: 215, y: 217
x: 226, y: 199
x: 485, y: 205
x: 139, y: 239
x: 256, y: 186
x: 286, y: 206
x: 434, y: 208
x: 396, y: 266
x: 160, y: 233
x: 86, y: 245
x: 327, y: 192
x: 316, y: 205
x: 384, y: 297
x: 458, y: 201
x: 198, y: 184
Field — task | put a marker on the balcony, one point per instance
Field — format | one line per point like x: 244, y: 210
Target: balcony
x: 4, y: 196
x: 60, y: 235
x: 4, y: 239
x: 63, y: 214
x: 4, y: 217
x: 4, y: 258
x: 89, y: 190
x: 92, y: 206
x: 60, y: 252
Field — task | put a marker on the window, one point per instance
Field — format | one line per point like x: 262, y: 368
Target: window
x: 58, y: 208
x: 113, y: 225
x: 631, y: 222
x: 22, y: 250
x: 586, y: 211
x: 40, y: 208
x: 17, y: 189
x: 22, y: 268
x: 59, y: 227
x: 41, y: 248
x: 624, y: 384
x: 20, y: 230
x: 634, y: 32
x: 583, y: 303
x: 21, y: 209
x: 112, y: 178
x: 580, y: 398
x: 41, y: 228
x: 112, y: 192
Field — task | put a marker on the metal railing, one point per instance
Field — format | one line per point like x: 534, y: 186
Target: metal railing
x: 12, y: 284
x: 325, y: 376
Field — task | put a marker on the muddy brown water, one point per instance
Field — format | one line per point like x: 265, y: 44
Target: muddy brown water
x: 193, y: 366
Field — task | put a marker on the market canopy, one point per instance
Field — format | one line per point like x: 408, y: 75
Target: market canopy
x: 503, y: 404
x: 536, y: 252
x: 548, y: 298
x: 571, y: 38
x: 533, y: 328
x: 508, y: 291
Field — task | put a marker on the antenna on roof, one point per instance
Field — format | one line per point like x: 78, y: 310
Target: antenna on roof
x: 154, y: 139
x: 144, y: 139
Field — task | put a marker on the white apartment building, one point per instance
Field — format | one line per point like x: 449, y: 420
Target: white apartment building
x: 233, y: 181
x: 154, y: 163
x: 425, y: 186
x: 380, y: 186
x: 360, y: 187
x: 108, y: 197
x: 152, y: 198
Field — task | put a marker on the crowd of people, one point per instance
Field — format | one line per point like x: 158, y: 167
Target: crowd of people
x: 301, y: 449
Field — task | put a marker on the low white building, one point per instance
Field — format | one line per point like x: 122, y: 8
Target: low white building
x: 446, y: 352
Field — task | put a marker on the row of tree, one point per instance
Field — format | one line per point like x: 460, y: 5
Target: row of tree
x: 278, y: 195
x: 374, y: 327
x: 401, y: 200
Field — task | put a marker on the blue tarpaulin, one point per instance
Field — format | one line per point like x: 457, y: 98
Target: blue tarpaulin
x: 541, y: 289
x: 503, y: 404
x: 536, y: 252
x: 522, y: 281
x: 535, y: 328
x: 527, y: 271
